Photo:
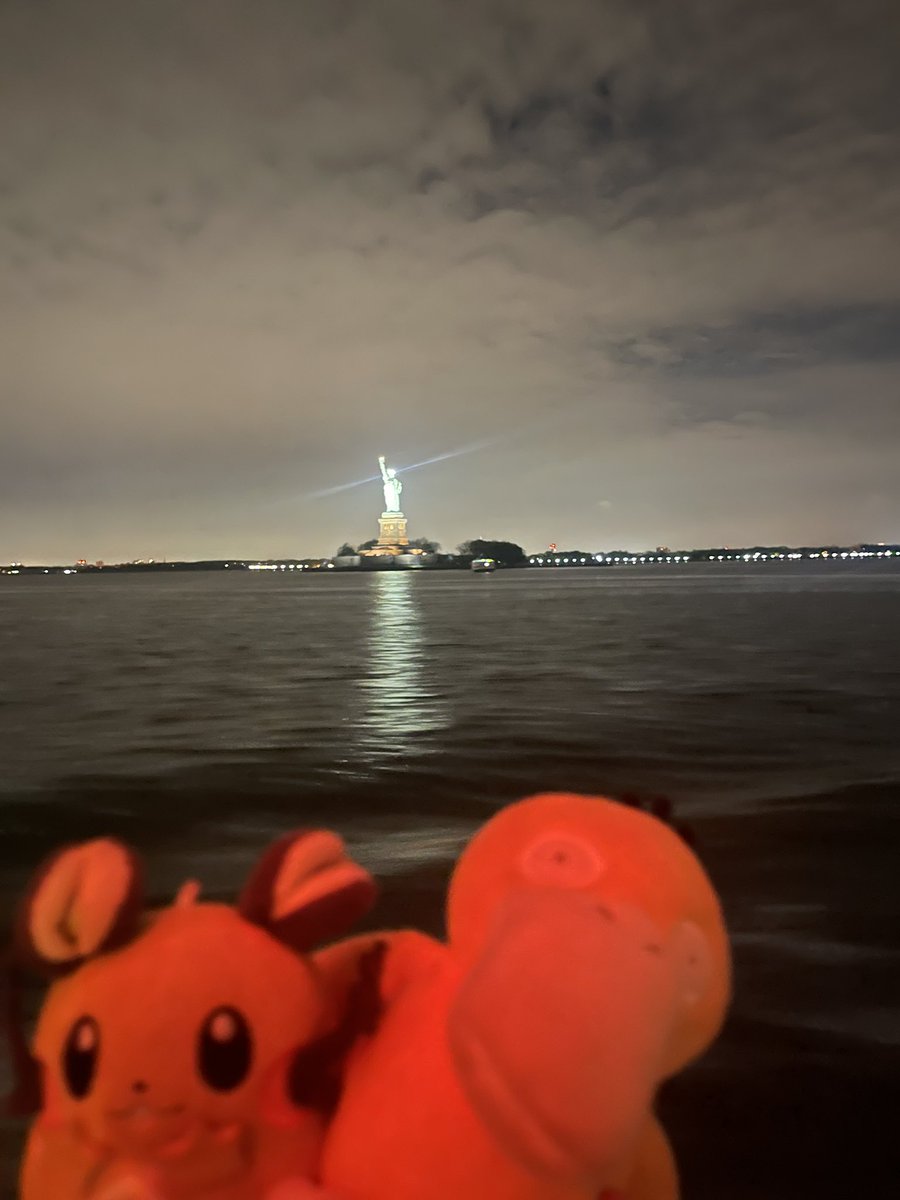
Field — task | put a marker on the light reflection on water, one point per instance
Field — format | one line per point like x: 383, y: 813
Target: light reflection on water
x: 400, y: 704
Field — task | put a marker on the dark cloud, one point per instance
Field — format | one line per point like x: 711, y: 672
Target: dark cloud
x: 763, y: 343
x: 642, y: 249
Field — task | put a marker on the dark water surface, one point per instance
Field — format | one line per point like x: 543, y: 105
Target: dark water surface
x: 198, y: 716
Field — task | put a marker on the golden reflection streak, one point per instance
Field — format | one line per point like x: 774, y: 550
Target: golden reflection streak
x: 399, y: 704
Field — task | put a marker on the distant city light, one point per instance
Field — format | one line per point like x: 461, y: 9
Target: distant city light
x: 850, y: 555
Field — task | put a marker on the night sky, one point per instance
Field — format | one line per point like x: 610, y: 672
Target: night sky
x: 643, y: 256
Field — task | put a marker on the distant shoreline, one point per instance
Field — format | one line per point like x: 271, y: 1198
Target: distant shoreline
x: 437, y: 562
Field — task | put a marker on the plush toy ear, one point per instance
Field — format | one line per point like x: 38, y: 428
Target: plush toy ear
x: 306, y: 890
x: 85, y: 899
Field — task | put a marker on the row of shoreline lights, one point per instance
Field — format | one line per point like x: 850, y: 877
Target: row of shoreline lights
x: 669, y: 558
x: 16, y: 571
x: 284, y: 567
x: 250, y: 567
x: 600, y: 558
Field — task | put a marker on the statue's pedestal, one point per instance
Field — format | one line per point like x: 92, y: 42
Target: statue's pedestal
x: 392, y: 531
x: 393, y: 546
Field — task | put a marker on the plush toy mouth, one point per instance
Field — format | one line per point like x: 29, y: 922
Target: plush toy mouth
x: 522, y: 1126
x: 167, y: 1134
x: 164, y: 1130
x: 146, y: 1110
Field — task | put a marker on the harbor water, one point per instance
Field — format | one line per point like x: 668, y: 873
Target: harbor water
x: 200, y: 715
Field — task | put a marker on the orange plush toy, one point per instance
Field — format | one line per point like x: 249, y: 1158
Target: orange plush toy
x: 186, y: 1054
x: 586, y: 961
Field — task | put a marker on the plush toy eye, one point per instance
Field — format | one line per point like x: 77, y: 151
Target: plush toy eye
x: 79, y: 1057
x: 225, y: 1049
x: 562, y: 860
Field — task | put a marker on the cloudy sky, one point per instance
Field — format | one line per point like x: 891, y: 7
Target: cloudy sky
x: 639, y: 260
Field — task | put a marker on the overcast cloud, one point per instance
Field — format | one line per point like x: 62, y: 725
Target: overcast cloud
x: 647, y: 252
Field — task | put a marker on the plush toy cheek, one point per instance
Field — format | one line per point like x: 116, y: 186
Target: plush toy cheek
x: 56, y: 1165
x: 693, y: 947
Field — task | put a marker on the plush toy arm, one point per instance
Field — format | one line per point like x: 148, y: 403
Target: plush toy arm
x: 405, y: 954
x: 338, y: 966
x: 316, y: 1074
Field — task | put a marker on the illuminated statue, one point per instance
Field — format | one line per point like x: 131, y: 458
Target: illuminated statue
x: 392, y: 487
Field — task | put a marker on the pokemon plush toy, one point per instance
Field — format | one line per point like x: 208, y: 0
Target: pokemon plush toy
x: 200, y: 1052
x: 586, y: 961
x: 186, y: 1054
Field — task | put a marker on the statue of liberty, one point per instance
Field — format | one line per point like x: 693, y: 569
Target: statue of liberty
x: 392, y: 487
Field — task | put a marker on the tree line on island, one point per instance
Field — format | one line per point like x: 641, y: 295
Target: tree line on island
x: 507, y: 554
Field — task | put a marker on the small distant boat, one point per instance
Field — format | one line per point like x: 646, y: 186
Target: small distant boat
x: 483, y: 564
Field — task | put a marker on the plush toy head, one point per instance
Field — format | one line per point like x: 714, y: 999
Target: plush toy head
x: 611, y: 853
x: 165, y: 1028
x: 595, y: 963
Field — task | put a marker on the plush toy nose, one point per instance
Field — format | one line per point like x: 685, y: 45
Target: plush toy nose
x: 140, y: 1086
